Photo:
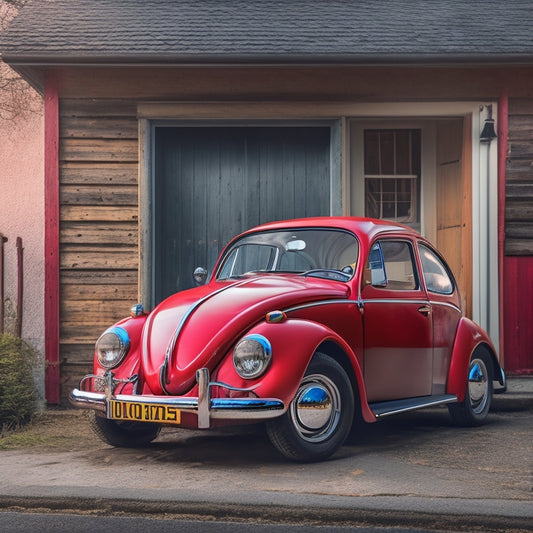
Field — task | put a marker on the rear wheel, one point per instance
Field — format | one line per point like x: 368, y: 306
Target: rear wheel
x: 474, y: 409
x: 124, y: 434
x: 319, y: 417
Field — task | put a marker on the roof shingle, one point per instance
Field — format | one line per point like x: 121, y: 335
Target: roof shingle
x: 368, y: 31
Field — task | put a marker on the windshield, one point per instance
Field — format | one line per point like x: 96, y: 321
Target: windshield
x: 325, y: 253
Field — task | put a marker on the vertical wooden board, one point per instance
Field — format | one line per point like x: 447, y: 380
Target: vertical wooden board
x: 301, y: 164
x: 51, y: 240
x: 449, y: 141
x: 200, y: 194
x: 165, y: 199
x: 252, y: 215
x: 454, y: 231
x: 182, y: 216
x: 232, y: 158
x: 288, y: 179
x: 449, y: 197
x: 270, y: 172
x: 518, y: 314
x: 466, y: 217
x: 321, y: 184
x: 214, y: 202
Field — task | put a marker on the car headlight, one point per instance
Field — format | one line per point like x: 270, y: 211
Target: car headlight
x: 112, y: 346
x: 252, y: 356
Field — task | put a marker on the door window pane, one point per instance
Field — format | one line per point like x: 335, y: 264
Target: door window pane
x: 395, y: 260
x: 398, y: 258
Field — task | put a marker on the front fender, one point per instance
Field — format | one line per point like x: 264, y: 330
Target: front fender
x: 469, y: 337
x: 131, y: 363
x: 294, y: 342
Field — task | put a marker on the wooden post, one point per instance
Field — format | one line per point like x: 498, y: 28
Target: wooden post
x: 51, y: 239
x: 2, y: 241
x: 20, y: 288
x: 503, y: 133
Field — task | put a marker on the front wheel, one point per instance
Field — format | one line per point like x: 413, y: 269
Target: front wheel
x: 124, y: 434
x: 319, y: 417
x: 474, y: 409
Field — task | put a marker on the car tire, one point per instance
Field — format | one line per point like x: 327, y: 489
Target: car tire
x: 124, y: 434
x: 474, y: 409
x: 319, y: 417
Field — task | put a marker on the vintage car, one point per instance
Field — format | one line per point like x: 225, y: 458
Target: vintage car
x: 308, y: 325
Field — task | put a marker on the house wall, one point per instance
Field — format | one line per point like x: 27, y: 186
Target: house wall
x: 518, y: 263
x: 519, y: 179
x: 22, y: 215
x: 99, y: 206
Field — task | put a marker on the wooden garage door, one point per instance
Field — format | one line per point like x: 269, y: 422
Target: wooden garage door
x: 212, y: 183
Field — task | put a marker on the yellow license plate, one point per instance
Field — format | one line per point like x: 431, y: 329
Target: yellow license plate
x: 143, y: 412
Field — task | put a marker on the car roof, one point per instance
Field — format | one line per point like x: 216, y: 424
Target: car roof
x: 366, y: 229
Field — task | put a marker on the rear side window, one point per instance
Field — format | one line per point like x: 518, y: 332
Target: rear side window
x: 435, y: 272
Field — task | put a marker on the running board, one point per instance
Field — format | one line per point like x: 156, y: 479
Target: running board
x: 394, y: 407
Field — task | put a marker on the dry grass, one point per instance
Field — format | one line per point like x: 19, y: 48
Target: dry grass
x: 50, y: 430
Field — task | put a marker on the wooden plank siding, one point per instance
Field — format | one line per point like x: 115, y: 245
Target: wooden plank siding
x: 518, y: 314
x: 98, y: 226
x: 519, y: 179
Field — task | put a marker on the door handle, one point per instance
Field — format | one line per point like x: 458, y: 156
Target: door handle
x: 425, y: 310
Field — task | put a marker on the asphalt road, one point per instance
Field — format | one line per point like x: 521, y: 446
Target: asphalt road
x: 414, y: 470
x: 16, y: 522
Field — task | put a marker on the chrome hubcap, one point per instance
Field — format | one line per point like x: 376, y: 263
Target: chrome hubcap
x: 315, y: 409
x: 478, y: 385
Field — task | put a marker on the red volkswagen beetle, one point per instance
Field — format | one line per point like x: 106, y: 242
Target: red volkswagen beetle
x: 305, y: 324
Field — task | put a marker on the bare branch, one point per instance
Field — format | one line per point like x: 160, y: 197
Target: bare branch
x: 17, y: 98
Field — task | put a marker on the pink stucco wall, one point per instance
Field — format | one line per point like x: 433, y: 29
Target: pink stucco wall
x: 22, y: 215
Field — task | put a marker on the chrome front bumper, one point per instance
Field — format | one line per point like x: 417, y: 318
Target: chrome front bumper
x: 205, y: 407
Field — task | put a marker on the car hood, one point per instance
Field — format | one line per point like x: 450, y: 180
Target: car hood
x: 195, y: 328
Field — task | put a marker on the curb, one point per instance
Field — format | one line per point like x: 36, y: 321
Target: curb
x: 273, y: 514
x: 518, y: 396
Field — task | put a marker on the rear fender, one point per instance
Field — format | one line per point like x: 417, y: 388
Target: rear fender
x: 293, y: 342
x: 469, y: 337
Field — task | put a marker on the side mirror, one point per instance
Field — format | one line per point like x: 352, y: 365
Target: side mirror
x: 200, y: 276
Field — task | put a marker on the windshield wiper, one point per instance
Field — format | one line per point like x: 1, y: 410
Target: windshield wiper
x: 327, y: 273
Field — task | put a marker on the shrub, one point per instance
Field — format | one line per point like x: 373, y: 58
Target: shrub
x: 17, y: 388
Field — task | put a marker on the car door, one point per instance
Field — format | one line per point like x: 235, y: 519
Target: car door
x: 398, y: 355
x: 445, y: 311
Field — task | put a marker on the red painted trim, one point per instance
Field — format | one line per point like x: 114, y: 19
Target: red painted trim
x: 51, y: 240
x: 503, y: 131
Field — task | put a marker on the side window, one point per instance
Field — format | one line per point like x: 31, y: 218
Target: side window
x: 435, y: 273
x: 377, y: 267
x: 392, y: 262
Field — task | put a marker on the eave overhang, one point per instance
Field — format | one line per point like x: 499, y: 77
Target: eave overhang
x: 32, y: 66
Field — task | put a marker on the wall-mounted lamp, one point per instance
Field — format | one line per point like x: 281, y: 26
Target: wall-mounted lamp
x: 488, y: 133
